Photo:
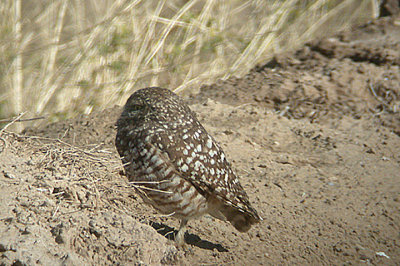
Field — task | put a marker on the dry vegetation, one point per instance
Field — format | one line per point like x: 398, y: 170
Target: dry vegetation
x: 313, y: 134
x: 63, y: 57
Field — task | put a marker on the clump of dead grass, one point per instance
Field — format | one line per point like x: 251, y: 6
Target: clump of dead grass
x: 92, y: 169
x: 66, y: 57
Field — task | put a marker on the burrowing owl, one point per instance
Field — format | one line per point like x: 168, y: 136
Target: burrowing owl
x: 177, y: 166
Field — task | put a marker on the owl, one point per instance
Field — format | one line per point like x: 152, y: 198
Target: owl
x: 176, y: 166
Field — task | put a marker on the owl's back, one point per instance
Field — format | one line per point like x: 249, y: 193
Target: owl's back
x: 178, y: 167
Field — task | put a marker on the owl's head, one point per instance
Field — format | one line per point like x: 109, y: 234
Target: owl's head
x: 156, y: 105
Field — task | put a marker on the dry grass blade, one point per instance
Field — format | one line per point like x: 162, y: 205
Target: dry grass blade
x: 141, y: 188
x: 49, y: 69
x: 78, y: 56
x: 18, y: 76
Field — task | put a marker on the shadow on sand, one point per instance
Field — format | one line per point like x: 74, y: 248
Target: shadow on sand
x: 191, y: 239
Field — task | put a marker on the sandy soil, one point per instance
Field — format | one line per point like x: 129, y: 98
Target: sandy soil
x: 314, y: 135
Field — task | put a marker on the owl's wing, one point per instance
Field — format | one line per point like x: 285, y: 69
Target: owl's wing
x: 197, y: 157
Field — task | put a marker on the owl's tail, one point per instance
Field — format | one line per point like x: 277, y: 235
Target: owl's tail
x: 241, y: 219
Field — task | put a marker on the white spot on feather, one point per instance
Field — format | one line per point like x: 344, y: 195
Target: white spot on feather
x: 184, y: 168
x: 209, y: 143
x: 189, y: 160
x: 226, y: 177
x: 197, y: 165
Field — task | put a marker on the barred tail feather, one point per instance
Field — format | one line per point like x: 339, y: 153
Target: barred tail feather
x: 240, y: 219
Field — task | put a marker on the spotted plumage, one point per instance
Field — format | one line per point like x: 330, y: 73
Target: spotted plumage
x: 177, y: 167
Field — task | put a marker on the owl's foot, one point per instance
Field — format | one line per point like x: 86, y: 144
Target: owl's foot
x: 180, y: 236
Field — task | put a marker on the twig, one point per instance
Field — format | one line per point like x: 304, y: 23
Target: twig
x: 148, y: 182
x: 12, y: 122
x: 56, y: 210
x: 21, y: 120
x: 371, y: 88
x: 378, y: 98
x: 151, y: 189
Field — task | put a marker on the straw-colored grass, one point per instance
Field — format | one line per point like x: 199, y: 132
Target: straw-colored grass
x: 63, y: 57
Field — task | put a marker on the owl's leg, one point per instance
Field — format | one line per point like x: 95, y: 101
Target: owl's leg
x: 180, y: 236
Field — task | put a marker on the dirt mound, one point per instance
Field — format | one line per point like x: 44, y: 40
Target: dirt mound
x: 59, y: 207
x: 314, y: 136
x: 354, y: 74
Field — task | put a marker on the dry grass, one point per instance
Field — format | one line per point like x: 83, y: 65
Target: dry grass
x: 68, y: 56
x: 70, y: 169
